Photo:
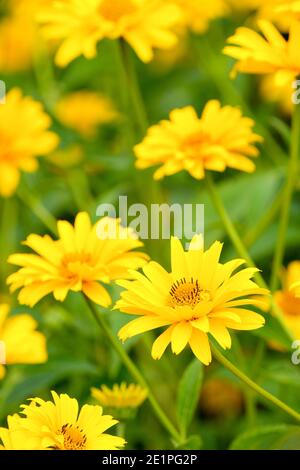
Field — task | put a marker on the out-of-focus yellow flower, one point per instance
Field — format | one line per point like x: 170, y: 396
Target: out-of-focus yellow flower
x: 280, y: 12
x: 245, y: 4
x: 120, y: 396
x: 288, y: 299
x: 81, y: 259
x: 85, y: 111
x: 278, y: 94
x: 272, y: 54
x: 221, y: 138
x: 60, y: 425
x: 200, y: 296
x: 79, y: 26
x: 25, y: 135
x: 19, y: 35
x: 22, y: 343
x: 198, y: 14
x: 221, y: 398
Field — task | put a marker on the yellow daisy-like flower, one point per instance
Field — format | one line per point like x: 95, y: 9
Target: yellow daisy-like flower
x: 289, y: 297
x: 281, y: 95
x: 85, y: 111
x: 198, y: 14
x: 81, y: 259
x: 272, y: 54
x: 25, y: 135
x: 60, y: 425
x: 120, y: 396
x: 21, y: 342
x: 80, y: 25
x: 200, y: 296
x: 220, y: 138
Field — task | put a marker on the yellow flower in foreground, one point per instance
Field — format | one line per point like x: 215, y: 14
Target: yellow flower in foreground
x: 120, y: 396
x: 83, y: 257
x: 80, y: 25
x: 221, y: 138
x: 265, y: 55
x: 200, y: 296
x: 198, y: 14
x: 289, y: 297
x: 84, y: 111
x: 21, y: 342
x: 60, y: 425
x: 25, y: 135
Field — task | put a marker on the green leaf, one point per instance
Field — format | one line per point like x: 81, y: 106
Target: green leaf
x: 188, y: 394
x: 268, y: 437
x: 192, y: 443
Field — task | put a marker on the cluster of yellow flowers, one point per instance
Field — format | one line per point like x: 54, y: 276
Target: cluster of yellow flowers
x: 200, y: 297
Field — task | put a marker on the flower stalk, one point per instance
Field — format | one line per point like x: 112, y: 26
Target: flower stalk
x: 240, y: 247
x: 134, y: 371
x: 287, y: 198
x: 254, y: 386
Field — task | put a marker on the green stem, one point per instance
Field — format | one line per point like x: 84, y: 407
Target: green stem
x: 136, y: 104
x: 264, y: 222
x: 134, y: 371
x: 33, y: 203
x: 256, y: 388
x: 240, y: 247
x: 287, y: 198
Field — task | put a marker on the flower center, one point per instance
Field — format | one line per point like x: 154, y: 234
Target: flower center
x: 113, y: 10
x: 76, y: 265
x: 193, y: 145
x: 74, y: 438
x: 184, y: 292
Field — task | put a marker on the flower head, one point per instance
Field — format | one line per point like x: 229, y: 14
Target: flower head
x: 198, y: 14
x: 81, y: 259
x: 220, y: 138
x: 80, y: 25
x: 23, y: 344
x: 200, y: 296
x: 289, y: 297
x: 120, y: 396
x: 24, y: 135
x: 271, y: 54
x: 84, y: 111
x: 60, y: 425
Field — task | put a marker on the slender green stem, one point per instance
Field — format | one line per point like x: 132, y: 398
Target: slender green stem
x: 136, y: 101
x: 264, y: 222
x: 40, y: 211
x: 240, y: 247
x: 287, y: 198
x: 134, y: 371
x: 256, y: 388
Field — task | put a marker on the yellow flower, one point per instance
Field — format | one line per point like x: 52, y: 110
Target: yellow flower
x: 221, y: 138
x: 22, y: 343
x: 120, y: 396
x: 79, y: 26
x: 25, y: 135
x: 272, y: 54
x: 83, y: 257
x: 200, y: 296
x: 289, y: 297
x: 60, y: 425
x: 278, y: 94
x: 19, y: 35
x: 84, y: 111
x: 198, y: 14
